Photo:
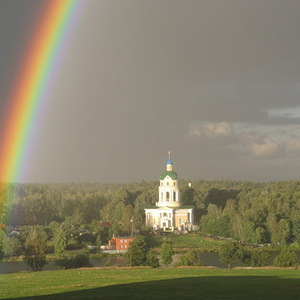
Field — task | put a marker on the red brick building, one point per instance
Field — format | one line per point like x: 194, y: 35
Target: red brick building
x: 120, y: 243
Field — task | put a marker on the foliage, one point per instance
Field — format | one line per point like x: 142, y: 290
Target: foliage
x: 140, y: 254
x: 35, y: 247
x: 247, y: 211
x: 151, y: 259
x: 71, y: 227
x: 11, y: 246
x: 136, y: 255
x: 286, y: 258
x: 296, y: 231
x: 98, y: 241
x: 231, y: 253
x: 256, y: 258
x: 77, y: 261
x: 191, y: 258
x: 2, y: 236
x: 166, y: 252
x: 60, y: 242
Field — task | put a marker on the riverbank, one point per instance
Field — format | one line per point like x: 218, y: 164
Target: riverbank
x: 209, y: 259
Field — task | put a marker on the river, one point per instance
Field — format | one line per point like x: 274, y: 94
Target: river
x: 209, y: 259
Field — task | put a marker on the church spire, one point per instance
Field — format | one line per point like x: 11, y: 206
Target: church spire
x: 169, y: 162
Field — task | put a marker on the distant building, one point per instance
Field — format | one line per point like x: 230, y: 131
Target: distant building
x: 168, y: 212
x: 120, y: 243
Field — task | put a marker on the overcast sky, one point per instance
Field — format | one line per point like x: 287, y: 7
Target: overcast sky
x: 217, y: 82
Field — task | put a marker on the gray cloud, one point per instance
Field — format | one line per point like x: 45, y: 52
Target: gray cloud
x: 199, y: 78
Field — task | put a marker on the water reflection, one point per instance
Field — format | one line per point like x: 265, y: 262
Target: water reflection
x: 209, y: 259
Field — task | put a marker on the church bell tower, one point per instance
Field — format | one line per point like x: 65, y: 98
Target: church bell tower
x: 169, y: 194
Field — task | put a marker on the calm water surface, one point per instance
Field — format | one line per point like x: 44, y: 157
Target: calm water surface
x: 209, y: 259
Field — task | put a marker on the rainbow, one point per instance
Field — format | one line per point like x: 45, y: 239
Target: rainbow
x: 29, y: 92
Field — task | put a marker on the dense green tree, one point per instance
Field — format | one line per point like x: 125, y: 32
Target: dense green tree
x: 71, y: 227
x: 260, y: 258
x: 284, y: 232
x: 53, y: 227
x: 137, y: 253
x: 91, y: 205
x: 286, y: 258
x: 257, y: 258
x: 249, y: 233
x: 38, y: 209
x: 296, y: 231
x: 35, y: 248
x: 231, y: 253
x: 237, y: 222
x: 60, y: 242
x: 11, y: 246
x: 151, y: 259
x: 106, y: 213
x: 166, y: 253
x: 127, y: 219
x: 261, y: 235
x: 191, y: 258
x: 147, y: 198
x: 223, y: 226
x: 187, y: 195
x: 98, y: 241
x: 2, y: 236
x: 272, y: 225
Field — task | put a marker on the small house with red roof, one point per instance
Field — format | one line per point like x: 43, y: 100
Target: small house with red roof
x: 120, y: 243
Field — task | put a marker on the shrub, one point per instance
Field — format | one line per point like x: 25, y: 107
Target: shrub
x: 286, y: 258
x: 191, y: 258
x: 11, y: 246
x: 257, y: 258
x: 231, y: 253
x: 78, y: 261
x: 152, y: 259
x: 166, y: 253
x: 60, y: 242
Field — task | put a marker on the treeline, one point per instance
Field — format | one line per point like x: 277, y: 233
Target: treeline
x: 41, y: 204
x: 246, y: 211
x: 259, y: 213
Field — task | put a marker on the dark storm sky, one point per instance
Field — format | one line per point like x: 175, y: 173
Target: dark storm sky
x: 214, y: 81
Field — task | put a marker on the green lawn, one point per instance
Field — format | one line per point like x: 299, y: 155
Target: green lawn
x: 195, y: 240
x: 163, y: 283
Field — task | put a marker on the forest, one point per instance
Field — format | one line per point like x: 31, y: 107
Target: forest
x: 251, y: 212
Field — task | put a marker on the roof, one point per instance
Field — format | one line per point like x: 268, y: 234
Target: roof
x: 169, y: 162
x: 124, y: 237
x: 167, y: 207
x: 185, y: 207
x: 171, y: 174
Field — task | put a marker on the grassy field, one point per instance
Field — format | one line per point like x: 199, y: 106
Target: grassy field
x: 193, y: 240
x: 143, y: 283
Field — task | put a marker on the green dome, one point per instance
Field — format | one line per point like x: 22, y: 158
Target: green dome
x: 171, y: 174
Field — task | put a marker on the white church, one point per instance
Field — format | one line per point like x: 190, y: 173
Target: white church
x: 168, y: 212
